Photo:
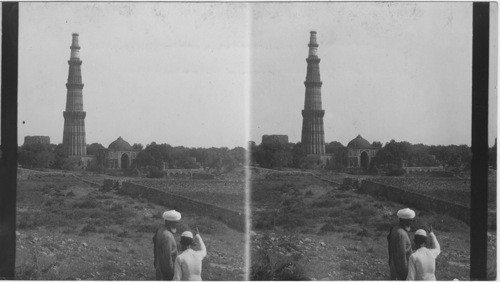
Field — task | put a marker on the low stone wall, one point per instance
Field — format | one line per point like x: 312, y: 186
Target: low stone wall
x: 91, y: 183
x: 233, y: 219
x: 417, y: 200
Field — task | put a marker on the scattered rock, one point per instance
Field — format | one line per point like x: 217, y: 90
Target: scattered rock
x: 84, y: 244
x: 322, y: 244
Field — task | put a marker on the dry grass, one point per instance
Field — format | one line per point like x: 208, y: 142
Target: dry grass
x: 55, y: 220
x: 359, y: 223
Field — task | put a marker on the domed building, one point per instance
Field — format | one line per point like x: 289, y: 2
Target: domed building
x: 118, y: 155
x: 358, y: 153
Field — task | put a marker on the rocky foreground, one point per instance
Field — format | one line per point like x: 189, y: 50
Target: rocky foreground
x: 67, y: 230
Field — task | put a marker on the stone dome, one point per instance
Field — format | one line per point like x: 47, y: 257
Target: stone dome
x: 120, y: 145
x: 359, y: 142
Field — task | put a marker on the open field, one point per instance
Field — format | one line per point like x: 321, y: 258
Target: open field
x: 308, y: 229
x: 228, y: 191
x: 67, y: 230
x: 226, y: 194
x: 452, y: 189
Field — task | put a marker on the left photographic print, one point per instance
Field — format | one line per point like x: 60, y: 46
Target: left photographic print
x: 132, y: 141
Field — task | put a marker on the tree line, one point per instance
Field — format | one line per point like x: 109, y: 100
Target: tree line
x: 272, y: 155
x: 392, y: 154
x: 152, y: 156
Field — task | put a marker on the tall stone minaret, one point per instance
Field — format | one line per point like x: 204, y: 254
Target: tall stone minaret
x: 74, y: 116
x: 313, y: 136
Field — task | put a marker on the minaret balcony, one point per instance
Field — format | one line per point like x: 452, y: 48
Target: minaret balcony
x: 313, y: 59
x: 313, y: 113
x: 313, y: 83
x: 75, y: 62
x: 74, y: 85
x: 74, y: 115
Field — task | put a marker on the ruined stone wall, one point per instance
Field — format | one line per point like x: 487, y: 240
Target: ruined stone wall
x: 233, y: 219
x: 417, y: 200
x: 30, y: 140
x: 274, y: 139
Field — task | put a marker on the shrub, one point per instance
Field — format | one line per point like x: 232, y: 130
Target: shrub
x: 131, y: 172
x: 262, y: 224
x: 290, y: 221
x: 364, y: 233
x: 85, y: 204
x: 281, y: 268
x: 323, y: 203
x: 123, y: 234
x: 384, y: 226
x: 261, y: 267
x: 88, y: 228
x: 355, y: 206
x: 292, y: 271
x: 48, y: 203
x: 147, y: 227
x: 28, y: 270
x: 328, y: 227
x: 396, y: 172
x: 336, y: 212
x: 115, y: 207
x: 155, y: 172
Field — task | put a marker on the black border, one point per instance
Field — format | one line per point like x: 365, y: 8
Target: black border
x: 8, y: 161
x: 479, y: 164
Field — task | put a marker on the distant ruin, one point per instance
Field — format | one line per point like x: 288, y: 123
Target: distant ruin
x: 31, y: 140
x: 274, y: 139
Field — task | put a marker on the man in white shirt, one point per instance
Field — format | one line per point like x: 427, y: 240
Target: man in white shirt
x: 422, y: 263
x: 188, y: 263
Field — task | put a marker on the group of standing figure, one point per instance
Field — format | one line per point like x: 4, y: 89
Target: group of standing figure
x: 405, y: 265
x: 169, y: 264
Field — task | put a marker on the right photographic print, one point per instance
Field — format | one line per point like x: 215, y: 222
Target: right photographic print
x: 360, y: 152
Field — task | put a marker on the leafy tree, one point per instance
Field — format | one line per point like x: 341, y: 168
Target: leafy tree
x: 137, y: 147
x: 36, y: 155
x: 59, y: 156
x: 298, y: 155
x: 143, y: 159
x: 160, y: 153
x: 333, y: 147
x: 282, y: 158
x: 93, y: 148
x: 377, y: 144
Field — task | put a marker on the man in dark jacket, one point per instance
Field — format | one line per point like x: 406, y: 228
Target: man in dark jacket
x: 400, y: 245
x: 165, y: 247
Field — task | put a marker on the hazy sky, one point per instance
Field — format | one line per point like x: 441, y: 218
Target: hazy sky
x: 398, y: 71
x: 164, y: 72
x: 219, y: 74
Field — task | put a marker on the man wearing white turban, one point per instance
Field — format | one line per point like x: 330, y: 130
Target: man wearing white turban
x: 400, y: 245
x: 165, y: 247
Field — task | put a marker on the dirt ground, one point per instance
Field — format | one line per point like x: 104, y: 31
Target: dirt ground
x: 67, y: 230
x: 304, y: 228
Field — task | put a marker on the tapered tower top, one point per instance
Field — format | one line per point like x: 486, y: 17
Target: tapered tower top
x: 313, y: 44
x: 75, y: 48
